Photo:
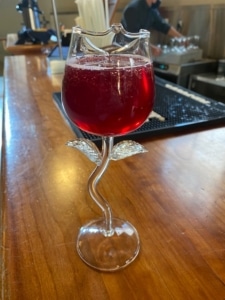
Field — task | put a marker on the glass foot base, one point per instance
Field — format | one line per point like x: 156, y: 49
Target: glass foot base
x: 108, y: 251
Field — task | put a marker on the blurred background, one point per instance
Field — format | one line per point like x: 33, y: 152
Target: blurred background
x: 194, y: 17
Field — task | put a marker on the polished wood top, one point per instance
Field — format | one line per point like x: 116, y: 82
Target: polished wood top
x: 173, y: 194
x: 25, y: 49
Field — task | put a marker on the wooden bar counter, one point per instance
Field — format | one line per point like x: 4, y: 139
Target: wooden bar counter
x: 174, y: 195
x: 25, y: 49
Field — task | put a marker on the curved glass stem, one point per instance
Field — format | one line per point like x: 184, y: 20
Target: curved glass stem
x: 107, y: 144
x: 108, y: 243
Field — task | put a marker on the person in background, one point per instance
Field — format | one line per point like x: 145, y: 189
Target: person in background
x: 144, y: 14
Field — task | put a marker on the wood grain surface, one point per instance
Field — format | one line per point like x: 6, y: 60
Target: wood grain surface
x: 174, y: 195
x: 26, y: 49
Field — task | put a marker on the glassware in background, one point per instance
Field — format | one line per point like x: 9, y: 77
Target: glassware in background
x: 178, y: 44
x: 193, y: 42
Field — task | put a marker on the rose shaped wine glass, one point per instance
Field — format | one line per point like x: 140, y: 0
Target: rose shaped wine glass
x: 107, y: 90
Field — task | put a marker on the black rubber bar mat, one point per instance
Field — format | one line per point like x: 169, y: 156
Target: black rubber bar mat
x: 175, y: 109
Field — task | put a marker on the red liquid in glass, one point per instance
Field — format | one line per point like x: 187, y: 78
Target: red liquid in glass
x: 108, y: 95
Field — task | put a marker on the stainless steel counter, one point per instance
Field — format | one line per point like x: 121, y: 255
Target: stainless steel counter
x: 209, y: 84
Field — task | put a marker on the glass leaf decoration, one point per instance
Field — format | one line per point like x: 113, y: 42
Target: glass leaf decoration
x: 88, y: 148
x: 125, y: 149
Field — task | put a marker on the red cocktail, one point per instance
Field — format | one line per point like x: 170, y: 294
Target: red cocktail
x: 108, y: 95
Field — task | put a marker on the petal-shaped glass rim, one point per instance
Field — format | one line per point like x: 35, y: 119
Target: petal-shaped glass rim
x: 114, y: 28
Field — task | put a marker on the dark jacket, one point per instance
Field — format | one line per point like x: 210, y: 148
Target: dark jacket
x: 138, y: 15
